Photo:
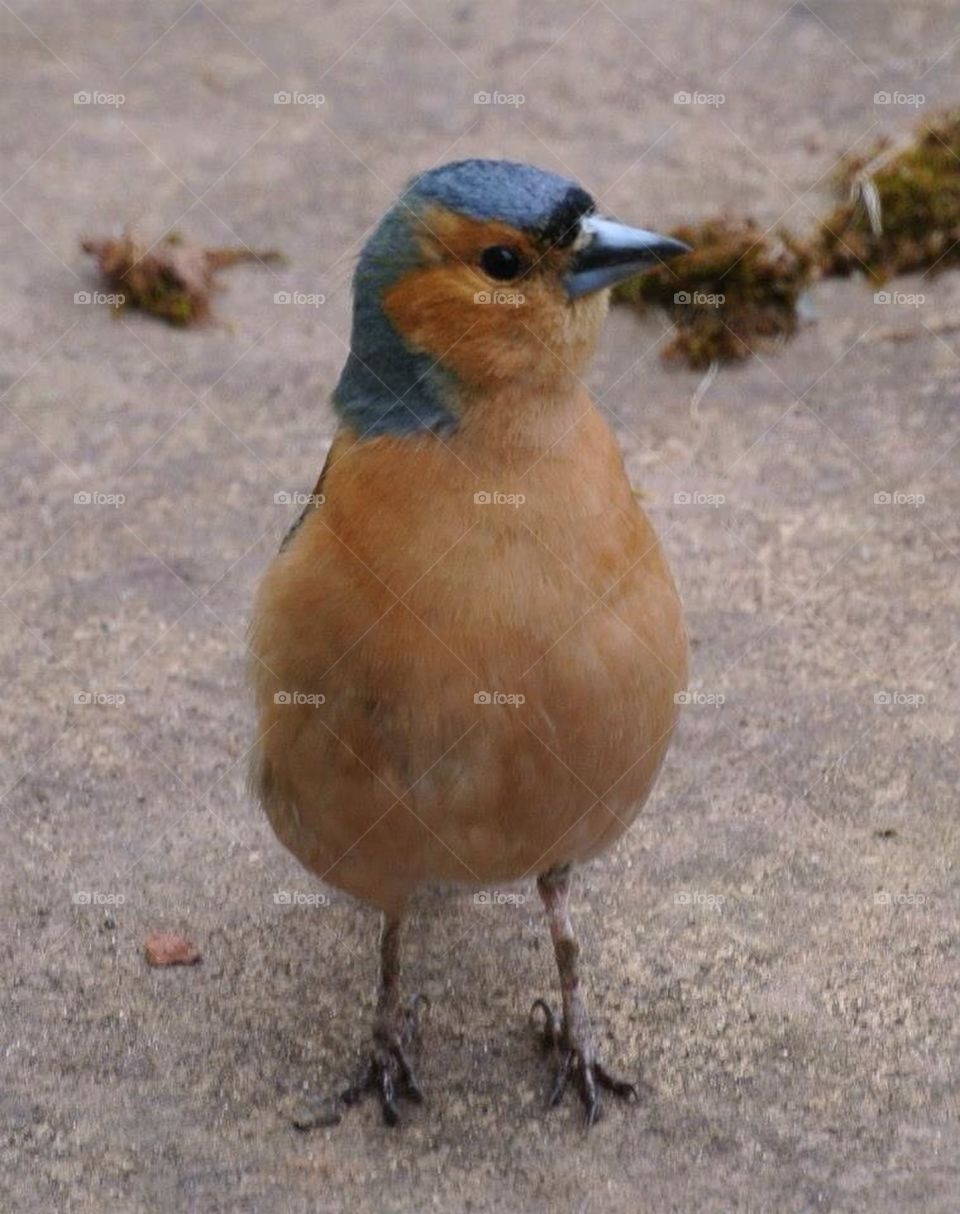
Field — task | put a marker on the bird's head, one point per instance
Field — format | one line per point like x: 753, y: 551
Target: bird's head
x: 484, y: 274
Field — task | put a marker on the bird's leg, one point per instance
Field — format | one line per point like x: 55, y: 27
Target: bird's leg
x: 570, y: 1040
x: 388, y: 1071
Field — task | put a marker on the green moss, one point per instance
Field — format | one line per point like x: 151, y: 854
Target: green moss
x: 738, y: 289
x: 915, y: 193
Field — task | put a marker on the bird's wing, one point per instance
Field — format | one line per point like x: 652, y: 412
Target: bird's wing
x: 315, y: 499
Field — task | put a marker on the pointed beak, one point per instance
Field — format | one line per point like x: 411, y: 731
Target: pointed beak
x: 614, y: 252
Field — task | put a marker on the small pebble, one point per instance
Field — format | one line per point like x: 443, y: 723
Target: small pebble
x: 170, y: 948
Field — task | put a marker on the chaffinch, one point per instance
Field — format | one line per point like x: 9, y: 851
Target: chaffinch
x: 469, y: 649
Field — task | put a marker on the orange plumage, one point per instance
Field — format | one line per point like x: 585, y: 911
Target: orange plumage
x: 403, y: 598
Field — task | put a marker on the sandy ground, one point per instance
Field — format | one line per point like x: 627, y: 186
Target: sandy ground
x: 774, y: 945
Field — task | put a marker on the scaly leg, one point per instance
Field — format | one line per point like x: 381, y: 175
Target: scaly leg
x: 571, y: 1040
x: 388, y: 1071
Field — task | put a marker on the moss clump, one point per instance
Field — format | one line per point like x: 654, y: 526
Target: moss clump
x: 738, y: 288
x: 902, y: 208
x: 173, y: 280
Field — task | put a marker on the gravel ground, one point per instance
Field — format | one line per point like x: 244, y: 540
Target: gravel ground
x: 775, y: 943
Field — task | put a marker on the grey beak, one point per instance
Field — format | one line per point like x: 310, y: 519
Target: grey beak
x: 614, y: 252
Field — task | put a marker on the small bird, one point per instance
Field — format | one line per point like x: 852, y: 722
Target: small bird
x: 468, y: 651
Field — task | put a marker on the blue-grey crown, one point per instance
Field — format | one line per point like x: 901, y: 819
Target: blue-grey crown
x: 531, y: 199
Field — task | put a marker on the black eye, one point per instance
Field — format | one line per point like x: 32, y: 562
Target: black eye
x: 501, y: 262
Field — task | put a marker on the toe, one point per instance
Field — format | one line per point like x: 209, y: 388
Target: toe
x: 411, y: 1085
x: 388, y: 1075
x: 411, y: 1016
x: 561, y: 1079
x: 575, y: 1056
x: 588, y: 1090
x: 388, y: 1103
x: 619, y: 1087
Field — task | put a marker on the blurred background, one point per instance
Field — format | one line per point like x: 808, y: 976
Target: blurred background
x: 775, y: 941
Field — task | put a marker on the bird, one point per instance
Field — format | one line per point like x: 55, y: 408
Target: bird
x: 468, y: 653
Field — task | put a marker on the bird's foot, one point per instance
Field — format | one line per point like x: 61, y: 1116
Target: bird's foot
x: 388, y: 1071
x: 576, y: 1056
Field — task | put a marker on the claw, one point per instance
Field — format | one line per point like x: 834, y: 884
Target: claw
x: 388, y: 1071
x: 578, y: 1060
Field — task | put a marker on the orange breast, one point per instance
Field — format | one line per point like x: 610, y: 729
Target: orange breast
x: 467, y: 657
